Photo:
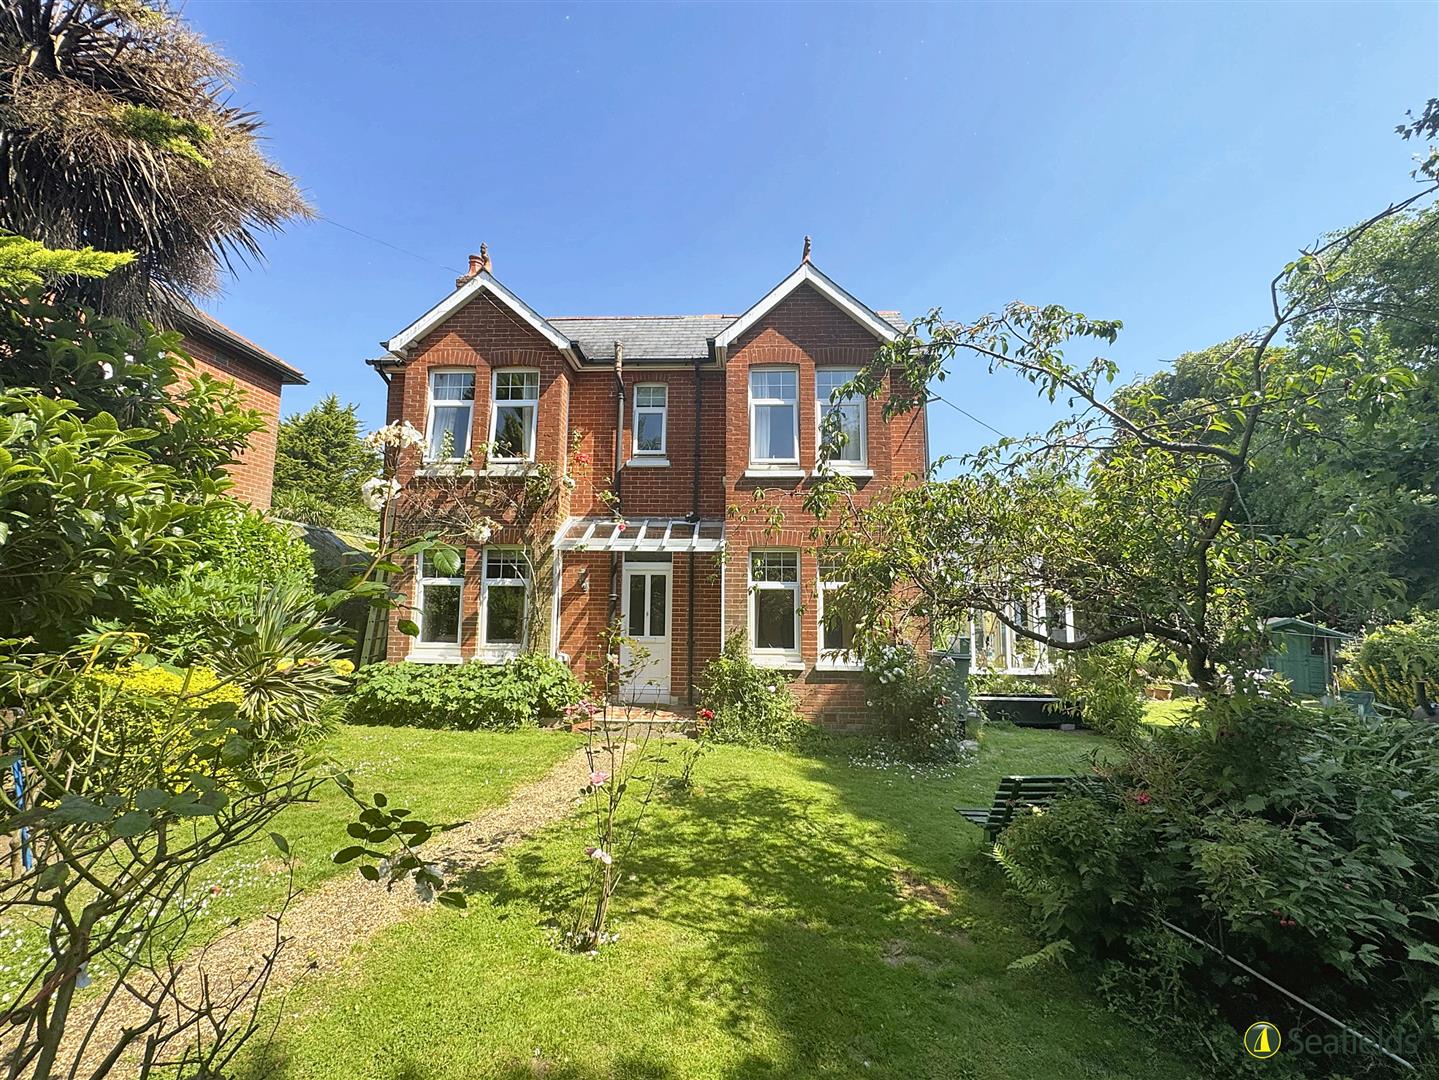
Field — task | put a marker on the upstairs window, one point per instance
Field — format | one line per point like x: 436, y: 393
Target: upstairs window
x: 836, y: 630
x: 505, y: 589
x: 774, y: 604
x: 437, y: 607
x: 512, y: 420
x: 841, y: 420
x: 451, y: 412
x: 774, y: 416
x: 651, y: 409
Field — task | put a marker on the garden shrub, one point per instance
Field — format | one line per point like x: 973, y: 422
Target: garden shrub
x: 1105, y: 682
x: 1010, y: 685
x: 752, y: 706
x: 465, y: 697
x: 245, y: 545
x: 915, y: 702
x: 151, y: 714
x: 1392, y: 660
x: 1301, y: 839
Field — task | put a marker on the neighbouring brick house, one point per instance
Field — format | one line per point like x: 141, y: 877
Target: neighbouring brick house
x: 668, y: 425
x: 260, y: 376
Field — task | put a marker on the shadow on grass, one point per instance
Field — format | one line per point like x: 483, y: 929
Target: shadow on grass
x: 845, y: 915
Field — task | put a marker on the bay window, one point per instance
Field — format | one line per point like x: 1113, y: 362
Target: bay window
x: 841, y: 420
x: 774, y: 605
x: 450, y: 415
x: 513, y: 412
x: 774, y: 416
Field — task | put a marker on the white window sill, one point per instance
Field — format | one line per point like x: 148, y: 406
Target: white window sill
x: 648, y: 461
x: 444, y: 468
x: 774, y: 472
x: 507, y: 468
x: 833, y: 664
x: 777, y: 662
x: 497, y: 654
x: 859, y: 472
x: 421, y: 654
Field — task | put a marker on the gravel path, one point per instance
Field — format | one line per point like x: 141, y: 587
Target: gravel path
x: 326, y: 925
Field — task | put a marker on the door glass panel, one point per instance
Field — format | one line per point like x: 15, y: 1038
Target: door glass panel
x: 658, y: 584
x: 637, y: 606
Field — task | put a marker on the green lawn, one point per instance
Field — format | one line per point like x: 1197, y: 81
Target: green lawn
x: 795, y: 916
x: 1169, y: 713
x: 440, y: 775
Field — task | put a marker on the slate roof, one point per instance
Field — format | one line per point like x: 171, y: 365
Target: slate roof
x: 645, y: 337
x: 654, y: 337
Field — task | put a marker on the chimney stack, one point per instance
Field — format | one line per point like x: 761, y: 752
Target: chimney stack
x: 478, y: 263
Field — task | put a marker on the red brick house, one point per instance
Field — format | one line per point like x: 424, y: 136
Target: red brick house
x: 260, y: 376
x: 664, y: 428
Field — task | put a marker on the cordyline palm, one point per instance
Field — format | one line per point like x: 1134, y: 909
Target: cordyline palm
x: 115, y: 133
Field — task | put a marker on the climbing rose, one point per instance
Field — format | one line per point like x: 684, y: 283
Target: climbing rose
x: 707, y: 714
x: 599, y: 855
x: 597, y: 778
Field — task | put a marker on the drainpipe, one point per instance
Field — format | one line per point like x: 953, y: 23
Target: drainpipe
x: 614, y: 601
x: 694, y: 517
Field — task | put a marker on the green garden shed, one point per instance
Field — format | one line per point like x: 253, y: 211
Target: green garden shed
x: 1303, y: 652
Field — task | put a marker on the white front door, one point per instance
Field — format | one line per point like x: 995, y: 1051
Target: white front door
x: 646, y: 623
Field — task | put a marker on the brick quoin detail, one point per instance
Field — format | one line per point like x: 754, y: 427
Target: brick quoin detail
x: 804, y: 330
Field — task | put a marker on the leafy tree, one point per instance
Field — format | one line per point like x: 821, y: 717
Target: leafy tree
x: 140, y: 377
x: 107, y: 460
x: 320, y: 463
x: 1130, y: 509
x: 116, y: 132
x: 1376, y: 473
x: 86, y: 516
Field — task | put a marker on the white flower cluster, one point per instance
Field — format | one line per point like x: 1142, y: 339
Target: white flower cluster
x: 377, y: 491
x: 399, y: 435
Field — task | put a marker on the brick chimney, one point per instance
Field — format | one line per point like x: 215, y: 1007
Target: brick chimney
x: 478, y: 263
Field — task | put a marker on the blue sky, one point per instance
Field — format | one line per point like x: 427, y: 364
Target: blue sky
x: 1153, y: 163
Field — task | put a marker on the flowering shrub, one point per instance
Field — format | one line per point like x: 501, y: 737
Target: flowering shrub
x: 466, y: 697
x: 1301, y: 840
x: 916, y: 703
x: 748, y: 704
x: 151, y: 713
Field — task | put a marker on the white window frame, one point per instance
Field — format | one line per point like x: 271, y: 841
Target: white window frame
x: 639, y: 410
x: 437, y: 652
x: 469, y: 406
x: 502, y: 649
x: 532, y: 436
x: 822, y: 403
x: 834, y: 659
x: 754, y: 402
x: 773, y: 657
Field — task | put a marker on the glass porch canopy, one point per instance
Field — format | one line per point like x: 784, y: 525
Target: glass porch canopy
x: 640, y: 534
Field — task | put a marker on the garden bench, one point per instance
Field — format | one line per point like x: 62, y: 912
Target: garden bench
x: 1013, y: 794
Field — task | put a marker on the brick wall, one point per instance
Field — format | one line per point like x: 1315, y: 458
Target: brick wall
x: 804, y: 330
x: 254, y: 473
